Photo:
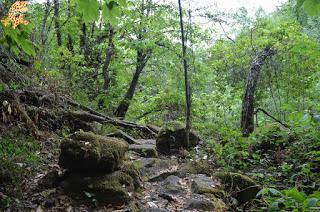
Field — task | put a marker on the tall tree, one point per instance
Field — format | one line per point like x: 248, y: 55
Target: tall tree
x: 186, y: 81
x: 56, y: 7
x: 143, y: 56
x: 107, y: 61
x: 247, y: 114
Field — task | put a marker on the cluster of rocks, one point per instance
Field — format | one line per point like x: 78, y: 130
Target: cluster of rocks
x: 101, y: 169
x: 95, y: 168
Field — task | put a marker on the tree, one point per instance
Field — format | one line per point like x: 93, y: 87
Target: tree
x: 185, y: 67
x: 142, y: 57
x: 247, y: 114
x: 56, y: 8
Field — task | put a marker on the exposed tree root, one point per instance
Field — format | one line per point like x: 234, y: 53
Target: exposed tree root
x: 46, y: 111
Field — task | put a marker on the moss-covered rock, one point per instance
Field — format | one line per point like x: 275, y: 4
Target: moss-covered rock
x: 105, y: 189
x: 195, y: 167
x: 133, y: 170
x: 145, y: 150
x: 171, y: 138
x: 89, y: 152
x: 201, y: 184
x: 243, y: 187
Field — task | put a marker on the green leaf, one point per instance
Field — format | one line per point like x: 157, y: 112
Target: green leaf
x: 312, y: 7
x: 15, y: 50
x: 300, y: 3
x: 27, y: 47
x: 296, y: 195
x: 274, y: 207
x: 313, y: 202
x: 111, y: 12
x: 89, y: 9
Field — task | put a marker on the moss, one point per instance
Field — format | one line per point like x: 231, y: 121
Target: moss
x: 195, y: 167
x: 107, y: 129
x: 243, y: 187
x: 106, y: 189
x: 133, y: 170
x: 19, y: 158
x: 90, y: 152
x: 219, y: 205
x: 172, y: 126
x: 171, y: 138
x: 145, y: 150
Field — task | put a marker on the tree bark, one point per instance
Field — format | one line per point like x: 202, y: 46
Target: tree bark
x: 44, y: 36
x: 109, y: 54
x: 247, y: 114
x: 186, y: 80
x: 56, y: 7
x: 142, y: 59
x: 70, y: 40
x: 143, y: 56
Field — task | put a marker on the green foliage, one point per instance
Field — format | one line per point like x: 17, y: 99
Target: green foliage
x: 312, y: 7
x: 290, y: 199
x: 17, y: 39
x: 19, y: 158
x: 111, y: 10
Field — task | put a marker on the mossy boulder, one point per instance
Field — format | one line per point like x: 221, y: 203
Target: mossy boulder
x: 133, y: 170
x: 172, y: 138
x: 244, y: 188
x: 88, y: 152
x: 145, y: 150
x: 106, y: 189
x: 202, y: 184
x: 194, y: 167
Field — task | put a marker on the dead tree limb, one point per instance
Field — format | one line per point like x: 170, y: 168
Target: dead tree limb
x: 272, y: 117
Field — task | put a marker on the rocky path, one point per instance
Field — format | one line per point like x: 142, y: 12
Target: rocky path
x: 118, y: 172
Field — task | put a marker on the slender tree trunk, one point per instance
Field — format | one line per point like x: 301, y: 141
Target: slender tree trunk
x: 84, y: 42
x: 109, y: 54
x: 70, y: 40
x: 44, y: 36
x: 56, y: 7
x: 247, y: 114
x: 142, y: 59
x: 186, y: 80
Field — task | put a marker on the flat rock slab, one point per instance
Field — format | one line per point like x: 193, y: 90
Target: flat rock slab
x: 145, y: 150
x: 147, y: 162
x: 145, y: 141
x: 172, y: 185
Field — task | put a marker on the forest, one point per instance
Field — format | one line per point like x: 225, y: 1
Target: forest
x: 157, y: 105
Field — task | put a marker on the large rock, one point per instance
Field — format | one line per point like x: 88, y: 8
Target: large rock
x: 243, y: 187
x: 145, y: 150
x: 172, y: 186
x: 202, y: 184
x: 172, y: 138
x: 88, y: 152
x: 106, y: 189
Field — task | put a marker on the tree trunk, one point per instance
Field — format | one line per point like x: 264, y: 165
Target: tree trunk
x: 70, y: 40
x: 187, y: 86
x: 44, y: 36
x: 247, y: 114
x: 142, y: 59
x: 109, y: 54
x: 56, y: 8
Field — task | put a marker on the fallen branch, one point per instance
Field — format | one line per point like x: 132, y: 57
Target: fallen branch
x: 275, y: 119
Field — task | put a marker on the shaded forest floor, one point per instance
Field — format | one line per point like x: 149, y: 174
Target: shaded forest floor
x: 57, y: 155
